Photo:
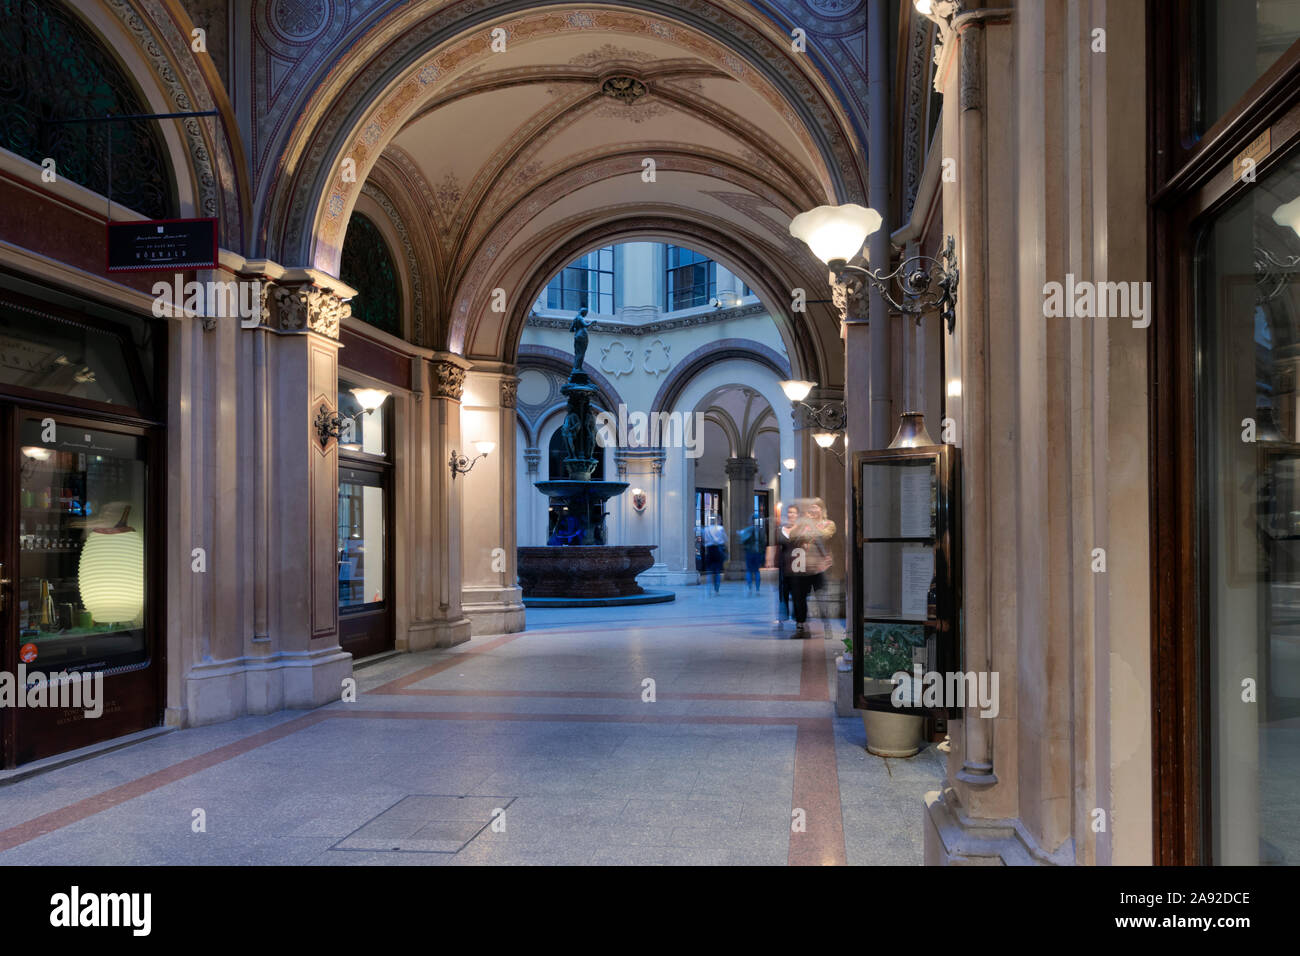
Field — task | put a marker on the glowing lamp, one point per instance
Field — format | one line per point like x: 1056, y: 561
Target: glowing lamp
x: 797, y: 390
x: 110, y: 575
x: 824, y: 439
x: 835, y: 233
x: 369, y: 398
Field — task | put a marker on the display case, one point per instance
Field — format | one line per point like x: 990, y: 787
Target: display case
x: 906, y: 587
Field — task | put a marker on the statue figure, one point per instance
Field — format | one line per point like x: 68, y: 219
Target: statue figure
x: 571, y: 430
x: 579, y: 330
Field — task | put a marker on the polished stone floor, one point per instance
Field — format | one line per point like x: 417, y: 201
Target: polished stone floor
x: 685, y: 733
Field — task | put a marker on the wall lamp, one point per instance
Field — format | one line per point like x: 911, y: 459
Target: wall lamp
x: 330, y: 424
x: 835, y: 234
x: 461, y: 464
x: 789, y: 464
x: 828, y: 417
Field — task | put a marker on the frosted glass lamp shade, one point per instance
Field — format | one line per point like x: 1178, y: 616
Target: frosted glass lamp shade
x: 111, y: 574
x: 835, y: 233
x: 369, y: 398
x: 796, y: 389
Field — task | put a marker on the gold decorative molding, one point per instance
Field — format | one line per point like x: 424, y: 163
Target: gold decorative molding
x: 448, y: 379
x: 308, y: 308
x: 509, y: 392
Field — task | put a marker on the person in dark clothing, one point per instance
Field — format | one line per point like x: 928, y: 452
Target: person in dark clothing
x: 715, y: 552
x: 753, y: 542
x: 784, y: 546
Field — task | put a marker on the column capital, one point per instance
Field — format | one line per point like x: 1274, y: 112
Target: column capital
x: 740, y: 469
x: 448, y: 377
x: 305, y: 308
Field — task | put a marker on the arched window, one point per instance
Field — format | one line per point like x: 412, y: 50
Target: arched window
x: 368, y: 267
x: 555, y: 466
x: 53, y: 67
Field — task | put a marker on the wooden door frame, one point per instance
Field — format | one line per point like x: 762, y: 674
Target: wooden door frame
x: 1189, y: 179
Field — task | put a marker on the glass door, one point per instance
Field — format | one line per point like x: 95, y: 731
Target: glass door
x: 1248, y: 397
x: 77, y: 613
x: 366, y: 624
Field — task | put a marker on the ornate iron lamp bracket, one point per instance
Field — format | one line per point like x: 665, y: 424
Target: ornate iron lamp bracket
x: 925, y: 284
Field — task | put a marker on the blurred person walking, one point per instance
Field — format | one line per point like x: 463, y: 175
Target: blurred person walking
x: 715, y: 551
x: 753, y: 541
x: 784, y: 547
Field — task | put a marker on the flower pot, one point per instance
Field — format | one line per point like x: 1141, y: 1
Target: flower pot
x: 892, y: 735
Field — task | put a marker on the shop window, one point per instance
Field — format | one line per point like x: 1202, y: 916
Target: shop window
x: 368, y: 266
x: 1248, y: 326
x: 1238, y: 43
x: 588, y: 282
x: 691, y: 279
x: 42, y: 350
x: 53, y: 67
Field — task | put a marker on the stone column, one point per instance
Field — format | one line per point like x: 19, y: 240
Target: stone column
x: 490, y: 595
x: 262, y: 491
x: 437, y: 619
x: 740, y: 511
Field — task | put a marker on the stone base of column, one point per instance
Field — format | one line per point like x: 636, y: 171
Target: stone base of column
x: 493, y: 610
x: 426, y: 634
x: 221, y: 690
x: 953, y: 839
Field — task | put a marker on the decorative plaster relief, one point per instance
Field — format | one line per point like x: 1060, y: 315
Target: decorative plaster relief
x: 308, y: 308
x: 657, y: 358
x: 616, y: 359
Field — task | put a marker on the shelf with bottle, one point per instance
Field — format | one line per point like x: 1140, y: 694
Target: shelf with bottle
x: 48, y: 539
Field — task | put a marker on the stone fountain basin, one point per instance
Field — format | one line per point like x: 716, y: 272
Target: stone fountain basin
x: 572, y: 490
x: 587, y: 575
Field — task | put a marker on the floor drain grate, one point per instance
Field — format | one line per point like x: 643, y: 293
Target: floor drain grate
x: 425, y: 823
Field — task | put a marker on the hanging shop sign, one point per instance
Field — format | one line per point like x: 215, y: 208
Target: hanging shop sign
x: 162, y: 244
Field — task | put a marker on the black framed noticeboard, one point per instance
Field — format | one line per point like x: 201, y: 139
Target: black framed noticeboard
x: 906, y: 587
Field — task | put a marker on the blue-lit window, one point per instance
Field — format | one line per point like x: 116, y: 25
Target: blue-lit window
x: 586, y: 282
x: 692, y: 279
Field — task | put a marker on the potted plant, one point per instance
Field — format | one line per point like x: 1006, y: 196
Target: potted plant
x: 844, y: 681
x: 888, y: 651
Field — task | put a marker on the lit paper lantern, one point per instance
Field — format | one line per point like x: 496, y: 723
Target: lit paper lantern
x: 111, y: 574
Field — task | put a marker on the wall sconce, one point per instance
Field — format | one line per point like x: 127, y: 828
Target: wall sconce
x: 330, y: 424
x: 725, y: 300
x: 835, y: 234
x: 461, y: 464
x: 789, y: 464
x: 829, y: 417
x: 638, y: 499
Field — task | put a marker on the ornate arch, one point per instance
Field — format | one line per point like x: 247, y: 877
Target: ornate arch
x: 748, y: 257
x: 405, y: 53
x: 160, y: 34
x: 689, y: 367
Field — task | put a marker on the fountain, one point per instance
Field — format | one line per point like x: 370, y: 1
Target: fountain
x: 577, y: 568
